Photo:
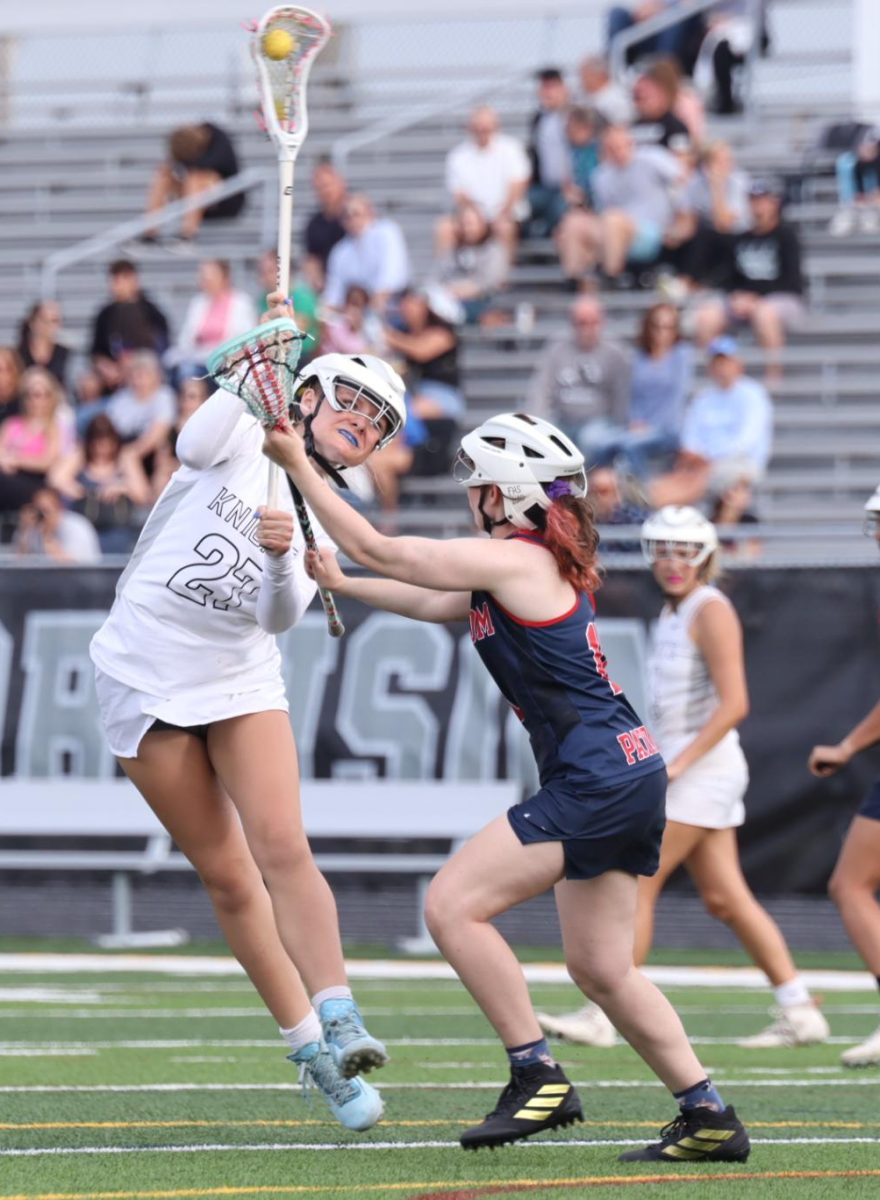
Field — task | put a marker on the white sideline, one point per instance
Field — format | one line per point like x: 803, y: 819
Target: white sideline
x: 721, y: 978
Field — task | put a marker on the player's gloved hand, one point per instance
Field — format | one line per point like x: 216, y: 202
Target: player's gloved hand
x: 321, y: 565
x: 275, y: 530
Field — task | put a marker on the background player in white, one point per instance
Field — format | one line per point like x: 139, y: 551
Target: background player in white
x: 699, y: 696
x: 189, y: 684
x: 856, y: 879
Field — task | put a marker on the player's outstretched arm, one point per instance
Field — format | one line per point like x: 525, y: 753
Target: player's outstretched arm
x: 421, y: 604
x: 459, y: 565
x: 825, y: 760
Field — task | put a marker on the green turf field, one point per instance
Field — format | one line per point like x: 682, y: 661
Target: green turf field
x: 148, y: 1085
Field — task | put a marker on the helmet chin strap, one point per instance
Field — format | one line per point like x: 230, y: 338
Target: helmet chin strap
x: 488, y: 522
x: 309, y: 440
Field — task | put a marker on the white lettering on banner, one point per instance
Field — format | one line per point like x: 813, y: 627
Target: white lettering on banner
x: 396, y: 726
x: 308, y: 657
x: 58, y: 731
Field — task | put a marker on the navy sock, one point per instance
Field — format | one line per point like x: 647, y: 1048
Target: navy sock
x: 530, y: 1054
x: 877, y: 977
x: 701, y: 1095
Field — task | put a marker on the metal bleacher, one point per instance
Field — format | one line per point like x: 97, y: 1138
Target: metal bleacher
x: 63, y: 185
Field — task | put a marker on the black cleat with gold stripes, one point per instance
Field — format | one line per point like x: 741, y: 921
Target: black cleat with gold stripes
x: 536, y: 1098
x: 697, y: 1135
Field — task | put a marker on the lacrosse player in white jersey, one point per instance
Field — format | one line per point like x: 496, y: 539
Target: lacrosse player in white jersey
x: 189, y: 685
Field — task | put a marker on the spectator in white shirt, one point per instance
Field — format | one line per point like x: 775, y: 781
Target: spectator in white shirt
x: 143, y: 410
x: 491, y: 170
x: 216, y: 313
x: 601, y: 94
x: 633, y: 197
x: 372, y: 255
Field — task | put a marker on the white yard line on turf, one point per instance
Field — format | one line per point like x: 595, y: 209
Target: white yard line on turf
x: 384, y: 969
x: 573, y: 1143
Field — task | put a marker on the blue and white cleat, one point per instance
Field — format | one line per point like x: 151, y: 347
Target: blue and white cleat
x: 354, y: 1051
x: 353, y: 1102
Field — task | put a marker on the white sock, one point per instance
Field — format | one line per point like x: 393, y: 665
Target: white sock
x: 330, y: 993
x: 790, y: 994
x: 308, y: 1030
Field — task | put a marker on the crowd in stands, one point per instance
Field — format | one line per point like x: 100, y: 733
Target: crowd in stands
x: 620, y: 177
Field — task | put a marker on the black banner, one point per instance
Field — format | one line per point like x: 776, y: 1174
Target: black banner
x: 398, y: 699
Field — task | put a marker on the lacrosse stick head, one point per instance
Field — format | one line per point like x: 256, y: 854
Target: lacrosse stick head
x: 260, y: 367
x: 284, y: 45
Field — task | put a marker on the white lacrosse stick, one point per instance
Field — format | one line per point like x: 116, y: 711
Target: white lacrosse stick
x: 284, y: 45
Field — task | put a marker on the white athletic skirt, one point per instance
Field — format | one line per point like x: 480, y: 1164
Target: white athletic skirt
x: 127, y: 714
x: 710, y: 793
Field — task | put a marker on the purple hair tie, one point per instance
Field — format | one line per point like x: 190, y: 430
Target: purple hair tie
x: 559, y: 488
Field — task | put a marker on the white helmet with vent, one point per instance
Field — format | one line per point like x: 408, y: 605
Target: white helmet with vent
x: 679, y: 529
x: 522, y: 456
x: 872, y: 515
x: 347, y: 378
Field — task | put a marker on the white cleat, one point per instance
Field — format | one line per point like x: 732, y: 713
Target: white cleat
x: 799, y: 1025
x: 588, y: 1027
x: 866, y: 1054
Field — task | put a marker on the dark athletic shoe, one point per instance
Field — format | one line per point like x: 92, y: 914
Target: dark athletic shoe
x: 697, y: 1135
x: 536, y: 1098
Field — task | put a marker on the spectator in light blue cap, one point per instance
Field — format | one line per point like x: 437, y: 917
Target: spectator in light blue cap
x: 728, y: 427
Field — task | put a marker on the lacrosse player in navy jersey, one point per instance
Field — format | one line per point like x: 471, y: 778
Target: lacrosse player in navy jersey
x: 856, y: 879
x: 596, y: 822
x: 189, y: 686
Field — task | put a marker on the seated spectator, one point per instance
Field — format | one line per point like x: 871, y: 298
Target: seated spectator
x: 326, y: 226
x: 428, y: 345
x: 611, y: 508
x: 491, y: 170
x: 353, y: 330
x: 199, y: 157
x: 549, y: 155
x: 303, y: 295
x: 730, y: 504
x: 732, y: 29
x: 582, y: 381
x: 765, y: 287
x: 131, y: 321
x: 582, y: 134
x: 712, y: 207
x: 632, y: 189
x: 106, y: 485
x: 675, y: 40
x: 372, y: 255
x: 475, y: 267
x: 858, y: 186
x: 143, y: 410
x: 33, y: 442
x: 728, y: 428
x: 191, y: 394
x: 217, y: 312
x: 657, y: 93
x: 599, y: 93
x: 38, y: 344
x: 47, y: 529
x: 662, y: 374
x: 11, y: 369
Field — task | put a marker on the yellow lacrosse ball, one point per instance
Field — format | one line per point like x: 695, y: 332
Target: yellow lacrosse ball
x: 277, y: 44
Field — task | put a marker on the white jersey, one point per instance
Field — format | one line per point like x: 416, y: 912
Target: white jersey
x: 682, y: 693
x: 185, y: 615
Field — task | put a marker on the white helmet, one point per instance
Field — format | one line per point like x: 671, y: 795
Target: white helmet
x: 367, y: 376
x: 872, y: 515
x: 683, y: 527
x: 522, y: 456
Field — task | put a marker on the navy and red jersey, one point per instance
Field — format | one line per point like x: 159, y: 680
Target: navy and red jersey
x: 553, y: 673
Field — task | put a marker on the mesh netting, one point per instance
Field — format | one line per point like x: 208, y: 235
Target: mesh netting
x: 260, y: 367
x: 284, y: 47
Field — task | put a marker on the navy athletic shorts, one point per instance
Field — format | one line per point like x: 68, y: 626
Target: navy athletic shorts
x: 870, y: 806
x: 618, y: 828
x: 199, y: 731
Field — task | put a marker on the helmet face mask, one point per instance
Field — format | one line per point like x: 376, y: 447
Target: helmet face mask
x: 692, y: 553
x: 679, y: 532
x: 363, y: 384
x: 349, y: 396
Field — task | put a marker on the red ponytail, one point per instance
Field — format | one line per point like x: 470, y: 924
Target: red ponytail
x: 572, y: 539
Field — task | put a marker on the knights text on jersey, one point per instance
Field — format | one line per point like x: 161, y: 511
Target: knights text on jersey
x: 554, y: 675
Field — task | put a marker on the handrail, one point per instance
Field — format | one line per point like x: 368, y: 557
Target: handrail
x: 664, y: 20
x: 123, y: 230
x: 343, y: 147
